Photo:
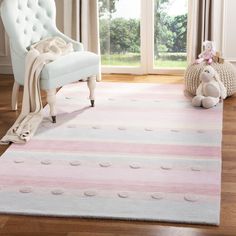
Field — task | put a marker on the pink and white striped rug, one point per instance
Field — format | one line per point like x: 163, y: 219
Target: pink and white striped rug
x: 142, y: 153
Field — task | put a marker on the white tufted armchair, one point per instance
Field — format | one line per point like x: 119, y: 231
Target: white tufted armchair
x: 29, y: 21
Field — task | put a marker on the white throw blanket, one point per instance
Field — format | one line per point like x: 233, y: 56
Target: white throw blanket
x: 28, y: 121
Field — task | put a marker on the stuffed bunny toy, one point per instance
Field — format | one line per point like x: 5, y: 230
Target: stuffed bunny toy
x: 211, y: 90
x: 208, y: 54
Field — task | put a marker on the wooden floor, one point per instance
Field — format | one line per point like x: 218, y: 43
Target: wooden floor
x: 40, y: 226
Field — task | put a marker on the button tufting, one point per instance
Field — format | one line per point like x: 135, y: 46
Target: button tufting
x: 105, y: 164
x: 134, y: 100
x: 190, y: 198
x: 18, y: 20
x: 37, y: 16
x: 49, y: 14
x: 27, y: 18
x: 75, y: 163
x: 26, y: 190
x: 135, y: 166
x: 25, y: 31
x: 34, y: 28
x: 111, y: 99
x: 123, y: 195
x: 46, y: 162
x: 158, y: 196
x: 57, y: 192
x: 166, y: 167
x: 90, y: 193
x: 19, y: 7
x: 45, y: 27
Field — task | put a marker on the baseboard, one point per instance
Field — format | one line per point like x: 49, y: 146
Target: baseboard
x: 6, y: 69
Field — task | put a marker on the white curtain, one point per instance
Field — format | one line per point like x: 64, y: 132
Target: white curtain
x: 199, y: 26
x: 82, y: 23
x: 88, y: 24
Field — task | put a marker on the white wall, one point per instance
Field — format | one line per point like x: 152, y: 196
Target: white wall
x: 217, y: 23
x: 5, y: 61
x: 224, y: 33
x: 229, y: 30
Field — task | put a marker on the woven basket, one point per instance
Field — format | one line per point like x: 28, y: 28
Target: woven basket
x: 226, y: 71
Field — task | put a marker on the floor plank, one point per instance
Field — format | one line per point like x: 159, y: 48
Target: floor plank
x: 48, y: 226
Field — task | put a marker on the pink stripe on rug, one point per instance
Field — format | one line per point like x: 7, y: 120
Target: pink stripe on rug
x: 117, y: 174
x: 110, y: 147
x: 207, y: 190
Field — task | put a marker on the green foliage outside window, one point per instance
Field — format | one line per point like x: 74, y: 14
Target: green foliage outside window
x: 122, y: 36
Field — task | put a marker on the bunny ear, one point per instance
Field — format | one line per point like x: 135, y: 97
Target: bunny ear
x: 223, y: 91
x: 213, y: 46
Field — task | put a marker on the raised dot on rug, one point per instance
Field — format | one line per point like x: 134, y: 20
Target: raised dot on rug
x: 26, y: 190
x: 19, y: 161
x: 135, y: 166
x: 123, y: 195
x: 75, y: 163
x: 158, y: 196
x: 90, y: 193
x: 57, y: 192
x: 105, y: 164
x: 46, y: 162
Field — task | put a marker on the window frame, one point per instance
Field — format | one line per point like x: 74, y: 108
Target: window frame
x: 146, y: 48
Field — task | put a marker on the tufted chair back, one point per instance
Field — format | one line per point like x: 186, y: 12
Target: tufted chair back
x: 27, y: 22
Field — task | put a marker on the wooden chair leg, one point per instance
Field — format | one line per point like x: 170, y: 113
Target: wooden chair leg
x: 51, y: 99
x: 99, y: 75
x: 91, y: 82
x: 14, y: 96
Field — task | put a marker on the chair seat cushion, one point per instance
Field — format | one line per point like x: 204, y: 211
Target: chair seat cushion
x: 70, y: 64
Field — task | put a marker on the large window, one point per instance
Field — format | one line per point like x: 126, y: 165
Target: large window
x: 170, y: 33
x: 143, y: 36
x: 120, y: 32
